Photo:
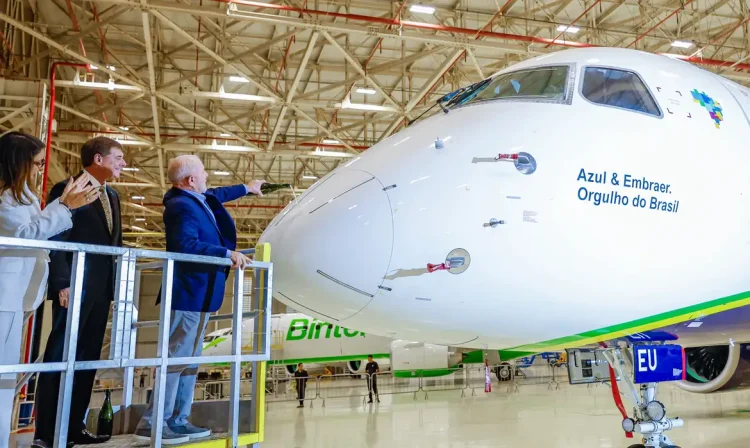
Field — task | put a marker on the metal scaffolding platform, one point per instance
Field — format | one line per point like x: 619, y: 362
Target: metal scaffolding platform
x: 238, y: 428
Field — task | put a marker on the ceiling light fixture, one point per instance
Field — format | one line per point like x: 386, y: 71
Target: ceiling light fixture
x: 330, y: 154
x: 130, y: 169
x: 366, y: 90
x: 132, y: 142
x: 568, y: 29
x: 347, y: 104
x: 234, y: 78
x: 682, y: 44
x: 222, y: 173
x: 422, y: 9
x: 137, y: 198
x: 329, y: 141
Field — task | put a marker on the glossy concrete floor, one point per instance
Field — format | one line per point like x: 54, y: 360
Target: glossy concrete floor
x: 531, y: 416
x: 573, y: 416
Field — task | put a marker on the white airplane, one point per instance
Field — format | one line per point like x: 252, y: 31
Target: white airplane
x: 580, y: 197
x: 298, y: 338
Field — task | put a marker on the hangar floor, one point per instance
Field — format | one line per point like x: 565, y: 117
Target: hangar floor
x: 572, y: 416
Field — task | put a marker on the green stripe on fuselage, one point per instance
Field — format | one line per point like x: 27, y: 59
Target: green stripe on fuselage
x: 628, y: 328
x: 320, y: 360
x: 214, y: 343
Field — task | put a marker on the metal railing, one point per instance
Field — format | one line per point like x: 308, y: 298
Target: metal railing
x: 472, y: 377
x: 125, y: 324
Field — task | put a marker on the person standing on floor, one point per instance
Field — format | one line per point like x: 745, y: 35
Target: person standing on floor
x: 102, y: 158
x: 23, y: 272
x: 196, y: 223
x: 302, y: 377
x: 372, y: 368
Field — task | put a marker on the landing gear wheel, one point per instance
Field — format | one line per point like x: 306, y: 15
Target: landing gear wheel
x: 503, y: 372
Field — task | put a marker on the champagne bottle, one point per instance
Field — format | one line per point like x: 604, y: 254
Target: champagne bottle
x: 106, y: 416
x: 270, y: 188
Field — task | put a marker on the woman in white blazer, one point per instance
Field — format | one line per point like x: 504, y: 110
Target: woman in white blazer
x: 23, y: 272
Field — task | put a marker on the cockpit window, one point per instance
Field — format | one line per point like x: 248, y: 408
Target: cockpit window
x: 541, y: 83
x: 618, y: 88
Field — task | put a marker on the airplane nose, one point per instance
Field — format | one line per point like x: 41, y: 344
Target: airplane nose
x: 331, y: 248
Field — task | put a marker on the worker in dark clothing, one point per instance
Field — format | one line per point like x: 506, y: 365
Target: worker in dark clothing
x: 372, y: 380
x: 302, y: 377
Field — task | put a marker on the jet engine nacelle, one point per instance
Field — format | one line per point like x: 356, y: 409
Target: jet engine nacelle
x: 415, y: 356
x: 355, y: 366
x: 716, y: 368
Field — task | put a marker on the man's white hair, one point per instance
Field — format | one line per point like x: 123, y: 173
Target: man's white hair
x: 183, y: 166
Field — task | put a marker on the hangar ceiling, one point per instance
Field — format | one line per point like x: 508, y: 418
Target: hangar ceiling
x: 287, y: 90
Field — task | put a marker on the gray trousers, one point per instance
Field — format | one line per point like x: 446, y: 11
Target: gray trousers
x: 11, y: 328
x: 185, y: 339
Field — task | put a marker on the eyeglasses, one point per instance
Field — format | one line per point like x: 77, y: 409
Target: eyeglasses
x: 40, y: 163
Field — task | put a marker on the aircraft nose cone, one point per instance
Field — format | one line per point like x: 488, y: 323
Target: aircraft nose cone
x: 331, y: 248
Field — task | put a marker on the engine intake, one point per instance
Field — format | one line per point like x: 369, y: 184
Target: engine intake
x: 716, y: 368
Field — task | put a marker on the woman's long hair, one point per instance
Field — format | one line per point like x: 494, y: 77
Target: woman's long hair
x: 17, y: 152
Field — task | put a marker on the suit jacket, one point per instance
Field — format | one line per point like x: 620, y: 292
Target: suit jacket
x: 190, y: 230
x: 24, y: 272
x: 89, y: 227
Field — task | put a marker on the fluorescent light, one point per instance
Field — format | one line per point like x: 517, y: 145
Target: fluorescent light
x: 422, y: 9
x: 568, y: 29
x: 124, y: 128
x: 212, y: 147
x: 329, y: 141
x: 93, y: 67
x: 140, y: 219
x: 111, y: 67
x: 132, y: 142
x: 222, y: 173
x: 130, y: 169
x: 346, y: 104
x: 309, y: 177
x: 682, y: 44
x: 137, y: 198
x: 366, y: 90
x: 345, y: 155
x: 238, y: 79
x: 225, y: 135
x: 138, y: 228
x: 230, y: 96
x: 77, y: 83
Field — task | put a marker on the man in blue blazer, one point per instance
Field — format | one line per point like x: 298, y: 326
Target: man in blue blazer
x: 196, y: 223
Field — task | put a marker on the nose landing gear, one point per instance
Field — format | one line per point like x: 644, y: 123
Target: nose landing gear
x: 654, y: 363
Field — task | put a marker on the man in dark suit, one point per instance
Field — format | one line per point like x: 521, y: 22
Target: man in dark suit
x: 98, y: 223
x: 196, y: 223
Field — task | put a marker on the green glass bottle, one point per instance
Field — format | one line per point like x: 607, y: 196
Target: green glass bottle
x: 106, y: 416
x: 270, y: 188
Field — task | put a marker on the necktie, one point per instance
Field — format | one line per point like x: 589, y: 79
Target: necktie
x: 104, y: 197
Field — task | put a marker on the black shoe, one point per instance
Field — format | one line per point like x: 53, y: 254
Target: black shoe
x: 370, y: 401
x: 86, y: 438
x: 44, y: 443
